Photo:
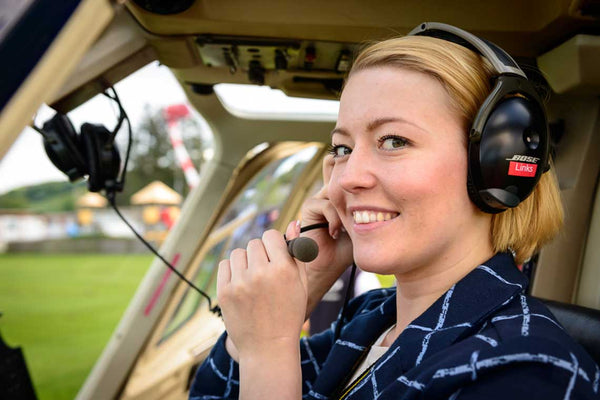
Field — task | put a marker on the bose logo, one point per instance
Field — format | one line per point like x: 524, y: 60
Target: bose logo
x: 518, y: 157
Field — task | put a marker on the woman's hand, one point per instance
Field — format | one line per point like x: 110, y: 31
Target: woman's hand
x: 335, y: 247
x: 262, y: 292
x: 249, y: 285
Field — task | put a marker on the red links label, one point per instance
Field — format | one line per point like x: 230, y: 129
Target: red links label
x: 522, y: 169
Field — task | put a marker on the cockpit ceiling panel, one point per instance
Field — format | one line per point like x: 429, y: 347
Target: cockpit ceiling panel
x: 524, y: 28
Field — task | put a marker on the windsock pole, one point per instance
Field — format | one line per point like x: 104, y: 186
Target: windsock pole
x: 174, y: 115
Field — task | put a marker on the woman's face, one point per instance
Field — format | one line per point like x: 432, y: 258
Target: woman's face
x: 399, y: 175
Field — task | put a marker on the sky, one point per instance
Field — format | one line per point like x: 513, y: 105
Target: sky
x: 26, y: 162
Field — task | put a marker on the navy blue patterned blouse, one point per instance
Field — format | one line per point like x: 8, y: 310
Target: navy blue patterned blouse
x: 483, y: 339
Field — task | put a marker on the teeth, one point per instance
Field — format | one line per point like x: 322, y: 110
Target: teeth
x: 365, y: 217
x: 357, y: 217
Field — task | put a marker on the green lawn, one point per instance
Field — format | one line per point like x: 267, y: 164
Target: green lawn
x: 62, y: 309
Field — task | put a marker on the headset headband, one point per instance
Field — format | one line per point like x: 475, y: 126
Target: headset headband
x: 502, y: 62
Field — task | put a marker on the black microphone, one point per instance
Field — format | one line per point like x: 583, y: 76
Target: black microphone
x: 303, y: 248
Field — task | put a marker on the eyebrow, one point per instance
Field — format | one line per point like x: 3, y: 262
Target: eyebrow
x: 376, y: 123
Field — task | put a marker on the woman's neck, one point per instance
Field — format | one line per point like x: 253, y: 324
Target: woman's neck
x: 417, y: 290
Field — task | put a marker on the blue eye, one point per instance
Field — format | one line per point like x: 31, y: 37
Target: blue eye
x: 392, y: 142
x: 339, y: 151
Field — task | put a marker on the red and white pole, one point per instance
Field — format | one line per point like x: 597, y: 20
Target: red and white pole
x: 174, y: 115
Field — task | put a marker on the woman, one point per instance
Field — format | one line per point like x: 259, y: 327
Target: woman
x: 396, y: 201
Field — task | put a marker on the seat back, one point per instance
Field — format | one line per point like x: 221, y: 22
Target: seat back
x: 582, y: 323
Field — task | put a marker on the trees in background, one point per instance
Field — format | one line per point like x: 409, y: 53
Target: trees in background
x: 152, y: 155
x: 152, y: 158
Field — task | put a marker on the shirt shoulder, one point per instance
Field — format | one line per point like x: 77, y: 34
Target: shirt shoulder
x: 527, y: 318
x: 527, y: 336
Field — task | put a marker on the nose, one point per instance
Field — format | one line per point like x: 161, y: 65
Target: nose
x: 358, y: 171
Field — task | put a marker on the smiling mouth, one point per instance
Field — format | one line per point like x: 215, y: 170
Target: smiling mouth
x: 367, y: 217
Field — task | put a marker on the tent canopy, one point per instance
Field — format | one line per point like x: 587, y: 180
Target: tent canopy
x: 91, y: 200
x: 156, y: 193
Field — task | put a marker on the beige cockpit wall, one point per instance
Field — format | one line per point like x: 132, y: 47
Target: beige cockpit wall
x: 573, y: 70
x: 569, y: 268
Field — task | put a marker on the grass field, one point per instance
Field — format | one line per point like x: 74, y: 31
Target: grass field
x: 62, y: 309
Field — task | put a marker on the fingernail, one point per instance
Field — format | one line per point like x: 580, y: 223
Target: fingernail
x: 343, y: 229
x: 297, y: 224
x: 335, y: 234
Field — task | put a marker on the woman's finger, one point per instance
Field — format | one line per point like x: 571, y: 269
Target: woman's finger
x: 239, y: 263
x: 275, y: 246
x: 293, y: 230
x: 223, y: 276
x: 256, y: 253
x: 333, y: 219
x: 317, y: 210
x: 322, y: 193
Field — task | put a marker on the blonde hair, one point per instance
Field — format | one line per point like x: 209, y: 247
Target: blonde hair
x: 466, y: 77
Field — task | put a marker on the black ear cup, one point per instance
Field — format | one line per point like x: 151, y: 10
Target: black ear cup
x: 103, y: 157
x: 92, y: 153
x: 509, y: 139
x: 510, y: 155
x: 63, y: 146
x: 476, y: 197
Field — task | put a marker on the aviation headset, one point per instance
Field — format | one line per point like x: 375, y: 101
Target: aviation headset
x: 508, y: 147
x: 92, y: 152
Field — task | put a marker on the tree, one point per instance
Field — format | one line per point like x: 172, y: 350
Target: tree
x: 44, y: 197
x: 152, y: 156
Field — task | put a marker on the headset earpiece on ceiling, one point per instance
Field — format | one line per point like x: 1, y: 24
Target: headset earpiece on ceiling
x: 63, y: 147
x: 91, y: 153
x: 103, y: 157
x: 509, y: 140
